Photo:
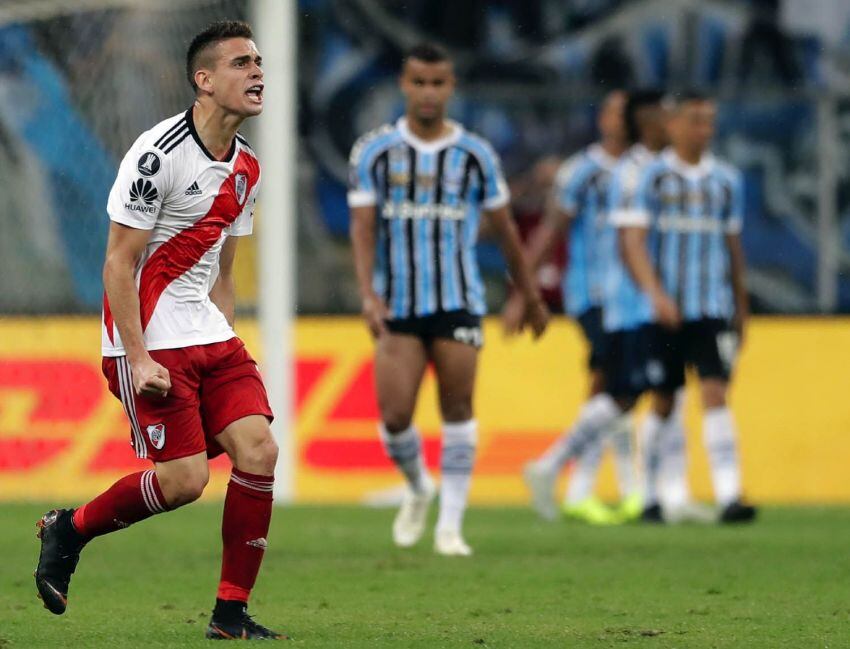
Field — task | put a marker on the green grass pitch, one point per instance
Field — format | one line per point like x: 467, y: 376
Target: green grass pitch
x: 331, y: 578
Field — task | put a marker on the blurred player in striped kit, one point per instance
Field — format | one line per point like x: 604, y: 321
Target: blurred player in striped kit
x: 681, y: 243
x: 417, y: 192
x: 626, y: 310
x: 580, y: 205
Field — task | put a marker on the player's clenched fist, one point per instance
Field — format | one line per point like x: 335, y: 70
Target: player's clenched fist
x: 151, y: 378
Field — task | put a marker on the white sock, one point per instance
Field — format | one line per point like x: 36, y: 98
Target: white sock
x: 673, y: 488
x: 458, y: 456
x: 405, y: 450
x: 621, y: 442
x: 649, y: 434
x: 583, y: 476
x: 595, y: 416
x: 719, y: 436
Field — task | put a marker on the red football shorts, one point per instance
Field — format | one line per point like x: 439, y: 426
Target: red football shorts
x: 211, y: 387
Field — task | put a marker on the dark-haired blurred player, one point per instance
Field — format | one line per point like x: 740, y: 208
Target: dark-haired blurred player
x: 417, y: 192
x: 184, y: 194
x: 626, y: 310
x: 681, y: 243
x: 580, y: 205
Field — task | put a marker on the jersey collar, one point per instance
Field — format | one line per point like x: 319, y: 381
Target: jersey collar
x: 430, y: 146
x: 692, y: 172
x: 640, y: 154
x: 191, y: 122
x: 601, y: 157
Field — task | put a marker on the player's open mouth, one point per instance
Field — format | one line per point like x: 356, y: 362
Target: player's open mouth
x: 255, y: 92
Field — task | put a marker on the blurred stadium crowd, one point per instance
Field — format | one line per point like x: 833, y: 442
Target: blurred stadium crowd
x: 531, y: 77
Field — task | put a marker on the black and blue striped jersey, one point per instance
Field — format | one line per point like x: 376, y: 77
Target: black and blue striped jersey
x: 429, y: 197
x: 688, y: 211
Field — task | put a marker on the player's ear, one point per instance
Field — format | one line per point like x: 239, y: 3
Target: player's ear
x: 203, y: 80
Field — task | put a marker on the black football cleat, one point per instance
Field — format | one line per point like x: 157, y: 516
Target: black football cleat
x: 652, y: 514
x: 738, y: 512
x: 60, y: 552
x: 230, y: 621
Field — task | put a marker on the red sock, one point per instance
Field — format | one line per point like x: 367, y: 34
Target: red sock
x: 244, y: 528
x: 133, y: 498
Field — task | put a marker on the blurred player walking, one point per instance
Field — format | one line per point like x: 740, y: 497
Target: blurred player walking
x: 417, y: 192
x: 681, y: 243
x: 581, y: 205
x: 626, y: 310
x: 184, y: 194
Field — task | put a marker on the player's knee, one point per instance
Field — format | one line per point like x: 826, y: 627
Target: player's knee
x: 714, y: 393
x: 258, y: 455
x: 457, y: 410
x: 185, y: 488
x: 662, y: 404
x: 396, y: 421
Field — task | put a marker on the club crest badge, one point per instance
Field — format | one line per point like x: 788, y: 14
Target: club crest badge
x: 156, y: 433
x: 241, y: 188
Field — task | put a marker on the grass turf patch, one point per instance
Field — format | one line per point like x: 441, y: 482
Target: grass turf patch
x: 332, y: 578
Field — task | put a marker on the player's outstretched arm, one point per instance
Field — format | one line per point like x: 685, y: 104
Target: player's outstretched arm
x: 737, y: 265
x: 124, y: 249
x: 362, y: 230
x: 223, y: 292
x: 536, y: 313
x: 633, y: 246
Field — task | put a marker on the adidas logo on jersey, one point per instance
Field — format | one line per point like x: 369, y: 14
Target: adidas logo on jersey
x: 143, y: 194
x: 194, y: 190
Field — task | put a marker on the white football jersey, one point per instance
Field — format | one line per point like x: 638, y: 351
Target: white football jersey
x: 170, y: 184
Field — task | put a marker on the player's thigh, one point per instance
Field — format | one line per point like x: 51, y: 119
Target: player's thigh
x: 400, y: 361
x: 455, y: 364
x: 232, y: 390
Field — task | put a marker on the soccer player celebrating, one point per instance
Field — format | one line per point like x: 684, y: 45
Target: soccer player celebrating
x: 581, y: 205
x: 417, y: 191
x: 681, y: 243
x: 185, y: 192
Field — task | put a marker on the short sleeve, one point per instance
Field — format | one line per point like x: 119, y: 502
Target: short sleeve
x: 735, y: 215
x: 243, y: 226
x: 569, y: 184
x: 361, y: 181
x: 143, y: 182
x: 495, y: 193
x: 631, y: 199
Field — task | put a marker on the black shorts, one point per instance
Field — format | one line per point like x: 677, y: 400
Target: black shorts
x: 591, y: 324
x: 461, y: 326
x: 626, y: 362
x: 709, y: 346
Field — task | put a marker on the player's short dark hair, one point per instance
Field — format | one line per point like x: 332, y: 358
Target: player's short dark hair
x: 218, y: 31
x: 427, y: 52
x: 639, y: 99
x: 677, y: 100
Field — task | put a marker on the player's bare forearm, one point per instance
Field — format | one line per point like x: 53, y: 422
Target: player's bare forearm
x: 223, y: 292
x: 636, y: 256
x: 124, y: 249
x: 542, y: 243
x: 633, y: 246
x: 509, y: 241
x: 362, y: 230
